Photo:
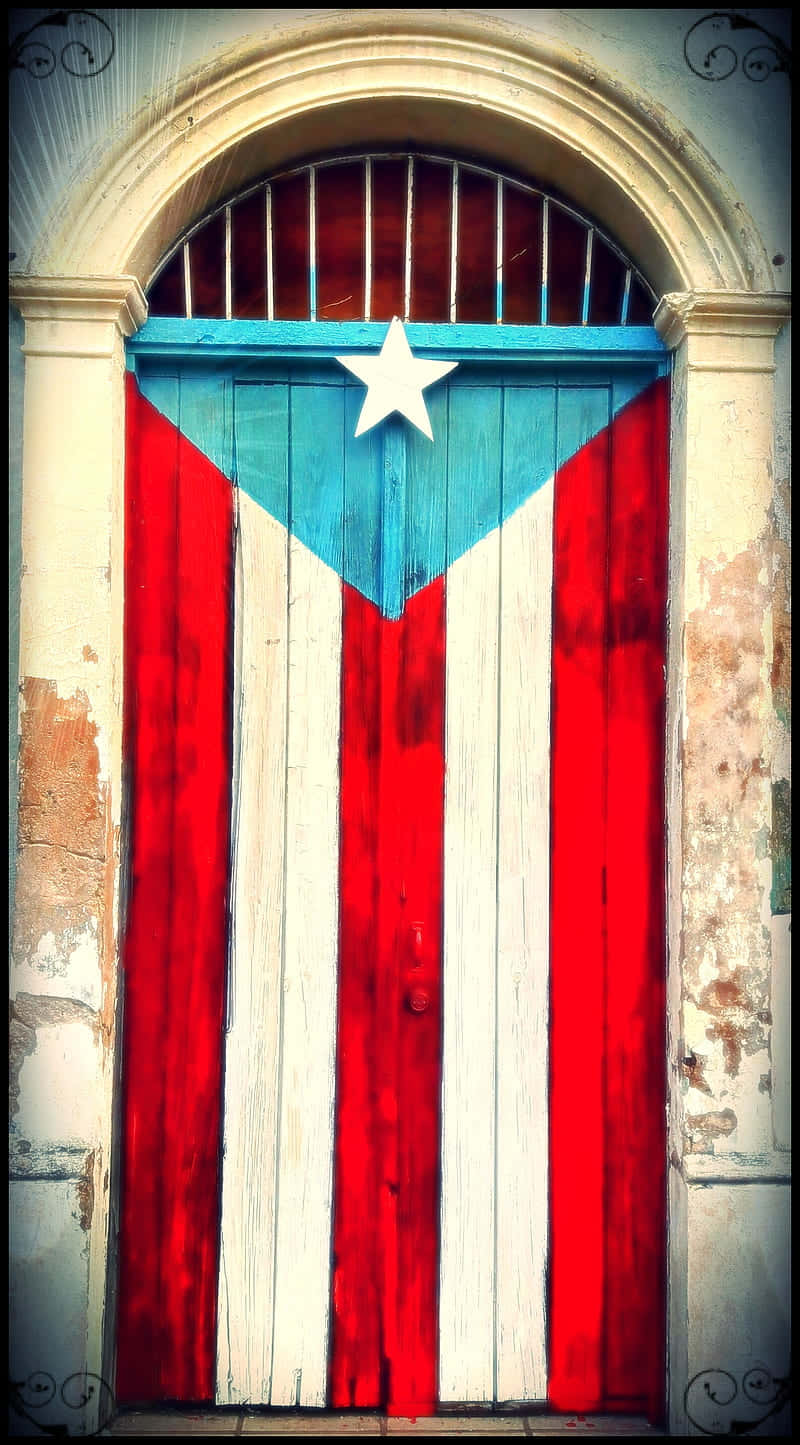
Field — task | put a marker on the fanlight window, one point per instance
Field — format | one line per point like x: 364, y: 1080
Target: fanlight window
x: 375, y: 236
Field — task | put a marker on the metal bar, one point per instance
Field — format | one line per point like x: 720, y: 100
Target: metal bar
x: 187, y: 281
x: 587, y: 277
x: 393, y: 155
x: 312, y: 243
x: 367, y: 237
x: 545, y: 257
x: 270, y: 257
x: 228, y: 264
x: 409, y: 216
x: 453, y: 242
x: 626, y: 299
x: 499, y: 251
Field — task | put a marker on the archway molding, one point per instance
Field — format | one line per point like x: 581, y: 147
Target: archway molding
x: 424, y: 77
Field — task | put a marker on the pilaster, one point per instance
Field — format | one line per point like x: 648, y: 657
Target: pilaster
x: 727, y: 1311
x: 66, y: 916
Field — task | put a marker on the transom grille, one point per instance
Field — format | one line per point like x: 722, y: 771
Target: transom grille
x: 423, y: 237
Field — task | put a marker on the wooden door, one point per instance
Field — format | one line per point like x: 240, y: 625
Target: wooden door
x: 414, y: 691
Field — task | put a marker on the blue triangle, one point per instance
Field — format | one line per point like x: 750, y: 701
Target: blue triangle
x: 391, y: 510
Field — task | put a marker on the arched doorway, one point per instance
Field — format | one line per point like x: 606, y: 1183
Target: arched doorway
x: 399, y: 1163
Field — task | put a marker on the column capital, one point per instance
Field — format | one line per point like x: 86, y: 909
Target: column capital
x: 62, y: 313
x: 742, y: 314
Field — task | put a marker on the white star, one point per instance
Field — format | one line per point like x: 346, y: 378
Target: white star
x: 395, y: 381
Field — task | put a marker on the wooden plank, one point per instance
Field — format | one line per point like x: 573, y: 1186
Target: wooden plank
x: 200, y: 844
x: 356, y: 1345
x: 386, y: 1220
x: 578, y: 955
x: 467, y: 1273
x: 179, y: 591
x: 635, y: 1077
x: 411, y: 868
x: 247, y: 1236
x: 526, y: 559
x: 304, y: 1185
x: 150, y: 486
x: 596, y: 344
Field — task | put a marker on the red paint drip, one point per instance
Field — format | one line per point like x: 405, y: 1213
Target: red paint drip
x: 386, y: 1211
x: 179, y: 539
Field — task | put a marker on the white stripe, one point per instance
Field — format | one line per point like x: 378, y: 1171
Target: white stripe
x: 492, y: 1308
x: 304, y: 1186
x: 466, y: 1298
x: 526, y: 543
x: 244, y: 1341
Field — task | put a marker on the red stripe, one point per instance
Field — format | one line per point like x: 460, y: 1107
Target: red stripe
x: 636, y: 999
x: 607, y: 1085
x: 386, y: 1214
x: 177, y: 744
x: 578, y: 746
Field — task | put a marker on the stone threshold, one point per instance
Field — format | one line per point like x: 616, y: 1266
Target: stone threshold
x: 252, y: 1422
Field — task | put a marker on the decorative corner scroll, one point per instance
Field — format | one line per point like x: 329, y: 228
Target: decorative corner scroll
x: 715, y: 1404
x: 40, y: 1390
x: 712, y: 48
x: 87, y: 51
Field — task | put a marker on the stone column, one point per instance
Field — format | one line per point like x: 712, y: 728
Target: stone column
x: 728, y: 1153
x: 66, y: 918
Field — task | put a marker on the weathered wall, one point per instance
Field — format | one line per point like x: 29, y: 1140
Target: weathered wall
x: 728, y: 1141
x: 728, y: 783
x: 64, y: 943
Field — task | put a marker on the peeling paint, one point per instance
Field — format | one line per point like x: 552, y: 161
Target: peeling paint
x: 727, y: 867
x: 703, y: 1129
x: 693, y: 1066
x: 60, y: 926
x: 67, y: 965
x: 781, y: 892
x: 57, y: 1073
x: 22, y: 1043
x: 780, y: 673
x: 61, y: 799
x: 85, y: 1194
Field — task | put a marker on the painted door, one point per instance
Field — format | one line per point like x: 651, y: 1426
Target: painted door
x: 405, y: 851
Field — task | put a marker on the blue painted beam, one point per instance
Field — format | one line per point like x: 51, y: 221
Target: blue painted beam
x: 174, y: 337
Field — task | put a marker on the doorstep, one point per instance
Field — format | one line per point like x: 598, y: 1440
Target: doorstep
x: 241, y: 1422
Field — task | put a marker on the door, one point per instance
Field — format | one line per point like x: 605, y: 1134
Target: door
x: 408, y: 839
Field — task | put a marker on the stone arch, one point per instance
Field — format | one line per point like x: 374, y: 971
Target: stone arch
x: 516, y: 98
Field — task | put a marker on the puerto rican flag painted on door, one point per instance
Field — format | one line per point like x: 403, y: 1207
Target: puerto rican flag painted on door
x: 393, y: 1120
